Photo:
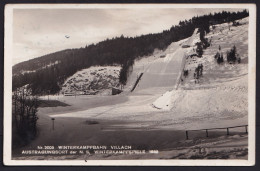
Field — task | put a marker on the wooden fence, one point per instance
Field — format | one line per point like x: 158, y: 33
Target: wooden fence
x: 207, y: 130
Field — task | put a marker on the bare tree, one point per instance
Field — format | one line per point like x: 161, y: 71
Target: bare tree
x: 25, y: 107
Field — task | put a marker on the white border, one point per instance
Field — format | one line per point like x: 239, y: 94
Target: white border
x: 8, y: 38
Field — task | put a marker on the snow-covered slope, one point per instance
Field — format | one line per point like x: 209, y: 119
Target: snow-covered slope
x: 222, y: 91
x: 213, y: 73
x: 93, y: 80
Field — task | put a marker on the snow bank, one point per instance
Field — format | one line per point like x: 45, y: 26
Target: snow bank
x: 163, y: 102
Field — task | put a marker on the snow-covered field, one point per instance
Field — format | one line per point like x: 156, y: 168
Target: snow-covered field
x: 161, y: 101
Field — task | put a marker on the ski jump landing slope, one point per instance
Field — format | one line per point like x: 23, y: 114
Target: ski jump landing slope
x: 162, y: 74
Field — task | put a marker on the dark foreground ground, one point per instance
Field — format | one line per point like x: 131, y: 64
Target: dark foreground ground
x: 171, y: 144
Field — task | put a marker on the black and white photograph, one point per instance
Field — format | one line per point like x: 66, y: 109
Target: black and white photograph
x: 129, y: 84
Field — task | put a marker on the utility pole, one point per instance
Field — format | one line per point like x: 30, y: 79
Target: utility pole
x: 52, y: 123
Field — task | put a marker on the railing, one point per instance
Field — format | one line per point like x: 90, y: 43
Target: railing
x: 138, y: 79
x: 207, y: 130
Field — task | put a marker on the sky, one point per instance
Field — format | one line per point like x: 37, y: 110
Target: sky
x: 37, y: 32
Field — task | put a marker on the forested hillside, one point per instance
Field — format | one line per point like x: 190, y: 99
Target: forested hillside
x: 46, y: 74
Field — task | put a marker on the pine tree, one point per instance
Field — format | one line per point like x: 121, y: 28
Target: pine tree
x: 217, y: 55
x: 239, y: 60
x: 221, y: 58
x: 199, y: 49
x: 232, y: 54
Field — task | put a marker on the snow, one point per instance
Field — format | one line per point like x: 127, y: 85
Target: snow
x: 162, y: 102
x: 51, y: 64
x: 223, y: 88
x: 220, y: 99
x: 96, y: 79
x: 215, y: 77
x: 26, y: 72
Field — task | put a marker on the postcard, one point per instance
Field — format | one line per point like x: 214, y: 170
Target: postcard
x: 130, y: 84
